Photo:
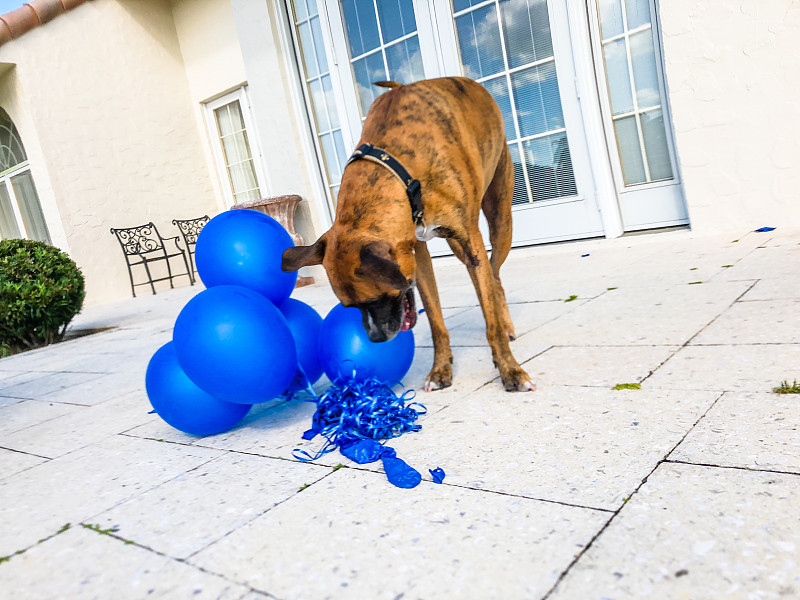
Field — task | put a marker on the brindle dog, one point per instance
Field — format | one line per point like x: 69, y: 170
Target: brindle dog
x: 449, y: 134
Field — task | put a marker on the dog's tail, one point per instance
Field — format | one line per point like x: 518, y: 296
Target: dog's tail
x: 387, y: 84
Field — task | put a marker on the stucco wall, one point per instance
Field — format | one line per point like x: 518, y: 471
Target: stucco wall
x: 733, y: 68
x: 109, y: 106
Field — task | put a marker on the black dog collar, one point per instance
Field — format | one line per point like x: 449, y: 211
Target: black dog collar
x: 413, y: 188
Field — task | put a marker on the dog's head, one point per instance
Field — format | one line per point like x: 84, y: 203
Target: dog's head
x: 371, y: 275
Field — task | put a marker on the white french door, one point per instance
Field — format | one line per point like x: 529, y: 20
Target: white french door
x: 520, y: 50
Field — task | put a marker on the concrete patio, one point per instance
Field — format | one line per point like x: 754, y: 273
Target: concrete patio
x: 686, y: 488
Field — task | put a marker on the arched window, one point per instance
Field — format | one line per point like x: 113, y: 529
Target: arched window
x: 20, y: 212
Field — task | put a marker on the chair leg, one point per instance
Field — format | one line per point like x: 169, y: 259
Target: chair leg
x: 188, y: 270
x: 149, y: 277
x: 169, y: 272
x: 130, y: 276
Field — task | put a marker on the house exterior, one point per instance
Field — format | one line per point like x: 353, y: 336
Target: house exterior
x: 621, y: 115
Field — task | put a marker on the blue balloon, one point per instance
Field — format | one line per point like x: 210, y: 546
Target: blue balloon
x: 234, y: 344
x: 181, y: 403
x: 346, y: 351
x: 244, y: 247
x: 305, y: 325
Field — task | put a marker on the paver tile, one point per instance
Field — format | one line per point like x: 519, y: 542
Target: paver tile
x: 81, y: 564
x: 755, y: 322
x: 353, y: 535
x: 696, y: 532
x: 756, y: 431
x: 37, y: 502
x: 12, y: 462
x: 224, y: 494
x: 582, y: 446
x: 651, y: 316
x: 597, y: 365
x: 750, y: 368
x: 81, y: 427
x: 19, y: 414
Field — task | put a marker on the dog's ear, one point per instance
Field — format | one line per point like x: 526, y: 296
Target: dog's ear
x: 377, y: 263
x: 303, y: 256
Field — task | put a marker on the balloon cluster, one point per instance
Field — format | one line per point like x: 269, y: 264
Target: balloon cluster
x: 243, y: 340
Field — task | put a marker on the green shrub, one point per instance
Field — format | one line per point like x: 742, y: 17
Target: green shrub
x: 41, y: 290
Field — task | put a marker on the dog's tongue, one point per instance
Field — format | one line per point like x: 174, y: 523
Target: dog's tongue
x: 409, y: 314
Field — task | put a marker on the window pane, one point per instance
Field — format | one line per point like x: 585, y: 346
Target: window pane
x: 318, y: 103
x: 29, y: 207
x: 236, y: 148
x: 655, y: 145
x: 340, y: 151
x: 8, y: 222
x: 498, y: 88
x: 619, y: 82
x: 549, y: 167
x: 526, y: 26
x: 307, y: 48
x: 405, y: 61
x: 645, y: 74
x: 367, y: 70
x: 630, y: 153
x: 312, y: 7
x: 361, y: 25
x: 331, y: 162
x: 319, y: 45
x: 459, y: 5
x: 610, y: 18
x: 229, y: 118
x: 300, y: 10
x: 330, y: 101
x: 243, y: 177
x: 520, y: 192
x: 12, y: 152
x: 537, y: 99
x: 397, y: 19
x: 637, y: 12
x: 479, y: 43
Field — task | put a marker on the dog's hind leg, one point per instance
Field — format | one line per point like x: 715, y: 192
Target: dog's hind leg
x: 441, y: 375
x: 477, y: 261
x: 496, y: 205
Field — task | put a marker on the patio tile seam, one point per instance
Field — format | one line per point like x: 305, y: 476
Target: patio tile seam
x: 258, y: 516
x: 27, y: 453
x: 736, y: 467
x: 698, y: 332
x: 89, y: 526
x: 626, y: 502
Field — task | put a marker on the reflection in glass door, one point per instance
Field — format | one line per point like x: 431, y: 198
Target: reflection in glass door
x: 507, y: 46
x: 383, y: 45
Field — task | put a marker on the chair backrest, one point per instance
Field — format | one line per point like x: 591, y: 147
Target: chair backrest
x: 191, y: 228
x: 140, y: 239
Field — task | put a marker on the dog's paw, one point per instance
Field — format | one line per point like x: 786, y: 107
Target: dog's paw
x: 439, y: 379
x: 517, y: 380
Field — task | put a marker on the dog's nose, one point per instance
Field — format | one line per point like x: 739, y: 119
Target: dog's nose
x: 377, y: 335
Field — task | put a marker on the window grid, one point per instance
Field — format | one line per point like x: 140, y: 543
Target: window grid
x: 332, y: 177
x: 508, y: 71
x: 637, y: 111
x: 382, y: 47
x: 246, y: 193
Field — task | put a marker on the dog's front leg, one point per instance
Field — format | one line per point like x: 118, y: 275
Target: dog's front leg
x: 476, y: 259
x: 441, y: 375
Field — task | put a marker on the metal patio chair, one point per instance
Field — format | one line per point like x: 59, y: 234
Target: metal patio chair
x: 143, y: 245
x: 190, y: 229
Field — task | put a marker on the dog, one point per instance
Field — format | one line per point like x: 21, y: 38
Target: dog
x: 449, y: 134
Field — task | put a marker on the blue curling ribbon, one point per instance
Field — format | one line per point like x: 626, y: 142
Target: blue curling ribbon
x: 351, y: 411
